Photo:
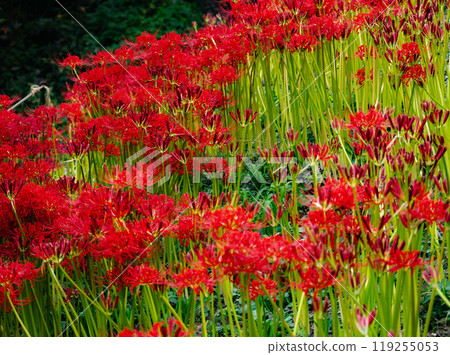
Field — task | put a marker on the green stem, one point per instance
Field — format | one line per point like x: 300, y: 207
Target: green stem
x: 202, y: 306
x: 17, y: 315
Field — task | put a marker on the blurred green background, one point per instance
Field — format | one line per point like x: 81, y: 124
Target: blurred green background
x: 34, y: 33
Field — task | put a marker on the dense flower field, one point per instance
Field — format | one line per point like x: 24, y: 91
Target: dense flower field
x: 281, y: 171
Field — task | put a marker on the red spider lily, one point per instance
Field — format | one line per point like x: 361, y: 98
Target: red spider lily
x: 393, y: 256
x: 70, y: 294
x: 183, y: 156
x: 303, y: 42
x: 360, y: 76
x: 404, y: 260
x: 375, y: 192
x: 108, y: 302
x: 200, y: 205
x: 363, y: 52
x: 6, y: 102
x: 378, y: 143
x: 75, y: 263
x: 384, y: 220
x: 409, y: 53
x: 249, y: 117
x: 337, y: 193
x: 224, y: 75
x: 278, y: 250
x: 372, y: 118
x: 354, y: 174
x: 363, y: 321
x: 436, y: 116
x: 416, y: 73
x: 319, y: 306
x: 174, y: 328
x: 142, y: 119
x: 73, y: 62
x: 394, y: 188
x: 12, y: 277
x: 13, y: 295
x: 231, y: 218
x: 189, y: 229
x: 431, y: 275
x: 259, y: 286
x: 316, y: 278
x: 46, y: 115
x: 292, y: 136
x: 78, y: 149
x: 381, y: 245
x: 280, y: 157
x: 429, y: 210
x: 197, y: 279
x: 428, y: 157
x: 351, y: 225
x: 314, y: 249
x: 13, y: 152
x: 410, y: 126
x: 35, y: 202
x: 156, y: 207
x: 326, y: 26
x: 123, y: 246
x: 242, y: 252
x: 119, y: 204
x: 11, y: 188
x: 416, y: 191
x: 357, y: 282
x: 346, y: 255
x: 212, y: 122
x: 144, y: 275
x: 208, y: 258
x: 323, y: 219
x: 69, y: 185
x: 270, y: 218
x: 15, y: 272
x: 315, y: 152
x: 57, y: 251
x: 140, y: 176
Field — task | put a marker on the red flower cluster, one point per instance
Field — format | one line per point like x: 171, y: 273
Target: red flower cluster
x: 174, y: 328
x: 12, y: 278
